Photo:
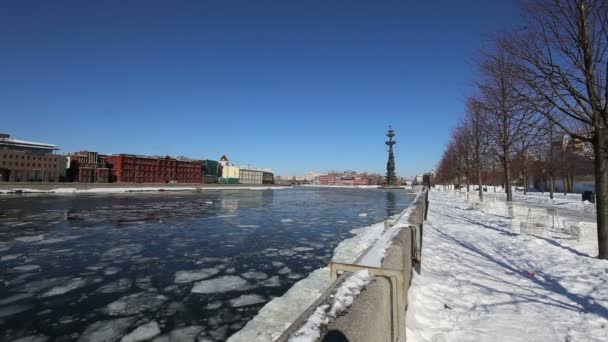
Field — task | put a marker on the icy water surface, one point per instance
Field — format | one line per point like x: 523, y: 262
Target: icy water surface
x: 173, y: 266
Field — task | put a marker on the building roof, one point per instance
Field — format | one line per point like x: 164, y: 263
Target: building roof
x: 224, y: 158
x: 27, y: 144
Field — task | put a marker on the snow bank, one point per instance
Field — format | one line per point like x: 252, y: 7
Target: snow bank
x: 341, y: 300
x: 482, y: 281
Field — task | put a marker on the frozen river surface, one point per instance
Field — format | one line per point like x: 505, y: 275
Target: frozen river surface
x: 166, y: 266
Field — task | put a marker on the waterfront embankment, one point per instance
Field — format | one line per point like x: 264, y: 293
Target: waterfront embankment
x: 62, y: 188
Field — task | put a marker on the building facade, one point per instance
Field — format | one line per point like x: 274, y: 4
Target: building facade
x: 87, y: 167
x: 128, y: 168
x: 251, y: 176
x: 27, y: 161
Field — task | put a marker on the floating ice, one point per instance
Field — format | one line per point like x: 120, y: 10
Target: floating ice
x: 135, y: 303
x: 254, y: 275
x: 26, y: 268
x: 10, y: 257
x: 295, y: 276
x: 272, y: 282
x: 37, y: 285
x: 221, y: 284
x: 33, y: 338
x: 302, y: 249
x: 214, y: 305
x: 182, y: 334
x: 30, y: 238
x: 142, y: 333
x: 183, y: 277
x: 248, y: 226
x: 278, y: 264
x: 245, y: 300
x: 363, y: 215
x: 14, y: 298
x: 286, y: 252
x: 120, y: 285
x: 123, y: 250
x: 10, y: 310
x: 284, y: 270
x: 105, y: 331
x: 219, y: 334
x: 286, y: 220
x: 111, y: 270
x: 56, y: 240
x: 72, y: 284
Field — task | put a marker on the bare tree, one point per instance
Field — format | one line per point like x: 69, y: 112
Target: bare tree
x: 562, y: 58
x: 508, y: 117
x: 478, y: 137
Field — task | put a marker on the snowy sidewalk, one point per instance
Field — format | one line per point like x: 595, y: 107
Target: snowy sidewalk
x: 481, y: 281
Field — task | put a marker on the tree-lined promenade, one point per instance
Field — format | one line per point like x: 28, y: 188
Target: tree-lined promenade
x: 535, y: 84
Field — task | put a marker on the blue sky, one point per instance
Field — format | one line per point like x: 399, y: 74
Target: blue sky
x: 290, y: 85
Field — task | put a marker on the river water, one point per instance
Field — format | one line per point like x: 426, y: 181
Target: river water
x: 180, y: 266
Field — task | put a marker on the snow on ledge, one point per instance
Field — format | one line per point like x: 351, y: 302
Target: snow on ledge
x: 339, y: 301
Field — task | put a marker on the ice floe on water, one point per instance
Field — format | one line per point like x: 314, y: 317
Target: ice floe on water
x: 6, y: 311
x: 122, y: 251
x: 189, y: 276
x: 254, y: 275
x: 222, y: 284
x: 272, y: 282
x: 286, y: 220
x: 72, y: 284
x: 11, y: 257
x: 120, y: 285
x: 135, y: 303
x: 302, y: 249
x: 32, y: 338
x: 142, y: 333
x: 363, y: 215
x: 286, y: 252
x: 285, y: 270
x: 14, y: 298
x: 104, y: 331
x: 182, y: 334
x: 26, y: 268
x: 245, y: 300
x: 111, y: 270
x: 35, y: 238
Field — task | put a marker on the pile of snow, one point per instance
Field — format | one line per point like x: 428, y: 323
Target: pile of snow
x: 341, y: 300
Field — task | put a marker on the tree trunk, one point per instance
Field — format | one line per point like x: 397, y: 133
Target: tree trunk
x: 525, y: 182
x: 600, y: 142
x: 480, y: 184
x: 551, y: 185
x: 508, y: 189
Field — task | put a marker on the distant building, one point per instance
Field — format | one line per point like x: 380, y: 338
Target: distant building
x: 128, y: 168
x: 230, y: 173
x: 250, y: 176
x: 27, y: 161
x: 212, y: 170
x: 267, y: 177
x: 87, y: 167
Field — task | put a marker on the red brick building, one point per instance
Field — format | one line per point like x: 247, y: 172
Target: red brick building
x: 88, y: 167
x: 128, y: 168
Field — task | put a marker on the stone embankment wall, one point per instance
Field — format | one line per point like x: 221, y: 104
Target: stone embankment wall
x: 376, y: 315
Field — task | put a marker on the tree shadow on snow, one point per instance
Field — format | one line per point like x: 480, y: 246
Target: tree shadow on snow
x: 548, y: 282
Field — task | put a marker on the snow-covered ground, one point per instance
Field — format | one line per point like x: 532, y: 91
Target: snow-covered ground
x: 483, y: 281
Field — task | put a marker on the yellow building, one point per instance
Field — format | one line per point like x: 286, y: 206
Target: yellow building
x: 231, y: 171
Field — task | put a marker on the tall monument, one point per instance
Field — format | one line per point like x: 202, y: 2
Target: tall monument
x: 390, y: 165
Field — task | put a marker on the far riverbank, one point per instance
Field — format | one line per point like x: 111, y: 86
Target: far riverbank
x: 17, y: 188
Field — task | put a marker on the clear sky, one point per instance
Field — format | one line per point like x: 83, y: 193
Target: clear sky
x: 292, y: 85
